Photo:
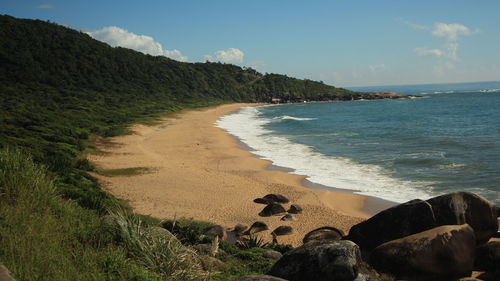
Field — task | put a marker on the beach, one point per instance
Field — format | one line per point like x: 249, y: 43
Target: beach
x: 197, y: 170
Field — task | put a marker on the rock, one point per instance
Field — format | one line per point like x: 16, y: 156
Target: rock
x: 5, y: 274
x: 288, y: 217
x: 276, y: 198
x: 488, y: 256
x: 442, y: 253
x: 465, y: 207
x: 272, y: 209
x: 399, y: 221
x: 272, y: 254
x: 217, y: 230
x: 295, y: 209
x: 262, y: 201
x: 239, y: 228
x: 156, y: 231
x: 282, y: 230
x: 324, y: 234
x: 258, y: 278
x: 337, y: 260
x: 210, y: 263
x: 257, y: 226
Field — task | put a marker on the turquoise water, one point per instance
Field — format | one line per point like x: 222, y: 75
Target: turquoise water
x: 445, y: 141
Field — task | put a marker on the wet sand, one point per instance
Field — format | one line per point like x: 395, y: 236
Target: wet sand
x: 199, y: 171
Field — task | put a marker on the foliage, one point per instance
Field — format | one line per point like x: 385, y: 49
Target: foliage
x: 44, y: 237
x: 189, y: 231
x: 158, y: 253
x: 252, y: 242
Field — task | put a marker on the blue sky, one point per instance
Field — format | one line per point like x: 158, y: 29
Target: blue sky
x: 343, y: 43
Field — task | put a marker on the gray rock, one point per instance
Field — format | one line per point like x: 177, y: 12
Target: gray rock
x: 324, y: 234
x: 288, y: 217
x: 465, y: 207
x: 399, y: 221
x: 257, y: 226
x: 295, y: 209
x: 282, y: 230
x: 488, y: 256
x: 258, y: 278
x: 217, y: 230
x: 276, y: 198
x: 272, y: 254
x: 5, y: 274
x: 272, y: 209
x: 442, y: 253
x: 337, y: 260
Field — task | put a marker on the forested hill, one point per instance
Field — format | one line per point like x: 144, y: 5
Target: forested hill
x: 58, y: 86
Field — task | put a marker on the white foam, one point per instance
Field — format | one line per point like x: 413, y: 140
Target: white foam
x: 286, y: 117
x: 338, y: 172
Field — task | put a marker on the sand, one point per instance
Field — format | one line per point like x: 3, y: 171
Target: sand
x: 199, y: 171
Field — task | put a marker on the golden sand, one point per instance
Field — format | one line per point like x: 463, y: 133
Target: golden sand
x: 199, y: 171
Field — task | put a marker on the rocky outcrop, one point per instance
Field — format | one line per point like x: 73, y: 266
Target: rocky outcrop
x: 273, y: 209
x: 323, y: 234
x: 295, y: 209
x: 258, y: 278
x: 466, y: 207
x: 399, y: 221
x: 338, y: 260
x: 442, y: 253
x: 257, y: 226
x: 276, y: 198
x: 488, y: 256
x: 272, y: 254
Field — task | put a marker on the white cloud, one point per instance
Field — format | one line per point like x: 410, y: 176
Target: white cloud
x: 116, y: 36
x: 450, y: 32
x: 416, y: 26
x: 377, y: 67
x: 231, y: 55
x: 424, y: 51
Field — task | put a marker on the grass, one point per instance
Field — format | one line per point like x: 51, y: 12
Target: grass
x: 45, y: 237
x: 134, y: 171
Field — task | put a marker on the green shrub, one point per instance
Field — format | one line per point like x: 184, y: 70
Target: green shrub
x: 189, y: 231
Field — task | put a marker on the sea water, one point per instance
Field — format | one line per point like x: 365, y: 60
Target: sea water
x: 444, y: 141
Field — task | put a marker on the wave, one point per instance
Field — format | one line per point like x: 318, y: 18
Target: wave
x: 338, y: 172
x: 286, y: 117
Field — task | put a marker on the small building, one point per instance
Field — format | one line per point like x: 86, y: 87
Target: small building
x: 275, y: 100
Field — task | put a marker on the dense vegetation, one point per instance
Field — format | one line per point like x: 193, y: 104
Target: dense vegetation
x: 59, y: 90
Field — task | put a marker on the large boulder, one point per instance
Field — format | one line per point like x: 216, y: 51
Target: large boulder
x: 488, y: 256
x: 273, y: 209
x: 262, y: 201
x: 272, y: 254
x: 324, y: 234
x: 337, y: 260
x: 466, y: 207
x: 258, y: 278
x: 399, y: 221
x: 277, y: 198
x: 282, y: 230
x: 442, y: 253
x: 257, y: 226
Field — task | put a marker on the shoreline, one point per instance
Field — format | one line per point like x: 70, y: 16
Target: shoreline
x: 200, y: 171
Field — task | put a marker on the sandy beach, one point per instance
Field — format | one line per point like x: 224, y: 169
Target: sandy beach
x: 199, y: 171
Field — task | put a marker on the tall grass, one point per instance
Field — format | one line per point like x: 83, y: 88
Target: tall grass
x: 157, y: 249
x: 43, y: 237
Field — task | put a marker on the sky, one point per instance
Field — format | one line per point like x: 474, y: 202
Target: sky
x: 343, y: 43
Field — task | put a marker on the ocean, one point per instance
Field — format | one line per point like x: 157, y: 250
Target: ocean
x: 447, y: 140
